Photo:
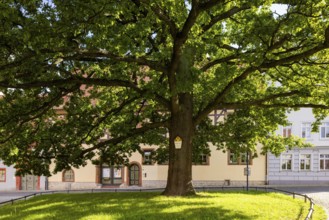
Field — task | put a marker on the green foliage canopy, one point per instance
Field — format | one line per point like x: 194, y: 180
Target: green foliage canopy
x: 73, y: 71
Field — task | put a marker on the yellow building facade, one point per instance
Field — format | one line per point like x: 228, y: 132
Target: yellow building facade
x: 218, y: 169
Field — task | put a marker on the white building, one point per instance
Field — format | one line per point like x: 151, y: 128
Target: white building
x: 302, y: 165
x: 7, y: 177
x: 9, y: 181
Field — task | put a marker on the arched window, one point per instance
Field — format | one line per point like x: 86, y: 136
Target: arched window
x: 68, y: 176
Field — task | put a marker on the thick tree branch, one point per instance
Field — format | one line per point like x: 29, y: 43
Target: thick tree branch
x: 190, y: 21
x: 107, y: 114
x: 277, y: 105
x: 68, y: 81
x: 18, y: 62
x: 38, y: 113
x: 210, y: 3
x: 132, y: 133
x: 268, y: 98
x: 218, y: 61
x: 163, y: 16
x: 267, y: 64
x: 273, y: 63
x: 99, y: 55
x: 76, y: 80
x: 179, y: 41
x: 219, y: 97
x: 224, y: 15
x: 291, y: 50
x: 88, y: 55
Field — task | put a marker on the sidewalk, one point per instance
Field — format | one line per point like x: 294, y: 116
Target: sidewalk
x: 9, y: 195
x: 319, y: 194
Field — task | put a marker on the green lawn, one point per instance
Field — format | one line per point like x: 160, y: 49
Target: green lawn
x: 150, y: 205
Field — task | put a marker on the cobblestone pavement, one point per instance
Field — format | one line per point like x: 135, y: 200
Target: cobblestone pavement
x: 320, y: 194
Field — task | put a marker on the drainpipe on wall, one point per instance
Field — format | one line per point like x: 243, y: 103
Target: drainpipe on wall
x: 46, y: 183
x: 266, y: 164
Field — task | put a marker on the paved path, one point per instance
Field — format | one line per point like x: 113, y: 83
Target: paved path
x: 320, y: 194
x: 6, y: 196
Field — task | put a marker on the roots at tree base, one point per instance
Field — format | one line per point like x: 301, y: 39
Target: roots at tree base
x: 185, y: 190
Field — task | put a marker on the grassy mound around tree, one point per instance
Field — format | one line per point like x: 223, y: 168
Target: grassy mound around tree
x: 150, y: 205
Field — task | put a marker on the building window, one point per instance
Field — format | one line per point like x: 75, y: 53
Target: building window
x: 324, y: 129
x: 2, y: 174
x: 324, y: 161
x: 218, y: 115
x: 306, y: 130
x: 112, y: 174
x: 238, y: 158
x: 68, y: 176
x: 148, y: 157
x: 202, y: 159
x: 286, y: 162
x: 233, y: 158
x: 286, y: 131
x: 305, y: 162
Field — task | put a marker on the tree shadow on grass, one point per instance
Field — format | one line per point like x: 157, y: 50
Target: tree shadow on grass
x: 122, y: 206
x: 215, y: 193
x: 204, y: 213
x: 300, y: 214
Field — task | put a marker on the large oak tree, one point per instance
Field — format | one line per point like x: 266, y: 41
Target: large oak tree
x: 136, y: 69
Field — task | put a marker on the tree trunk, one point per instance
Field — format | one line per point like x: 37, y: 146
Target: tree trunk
x: 179, y: 181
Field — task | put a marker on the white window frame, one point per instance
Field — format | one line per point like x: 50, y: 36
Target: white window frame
x: 311, y: 161
x: 324, y: 162
x: 324, y: 125
x: 292, y: 162
x: 306, y: 130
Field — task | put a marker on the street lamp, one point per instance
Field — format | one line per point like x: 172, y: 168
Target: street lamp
x: 247, y: 171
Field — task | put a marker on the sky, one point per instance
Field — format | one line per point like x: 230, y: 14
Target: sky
x: 279, y: 9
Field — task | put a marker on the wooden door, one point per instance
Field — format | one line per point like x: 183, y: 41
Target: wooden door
x: 29, y: 182
x: 134, y: 175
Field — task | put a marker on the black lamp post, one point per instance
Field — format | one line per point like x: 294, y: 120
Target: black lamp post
x: 247, y: 171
